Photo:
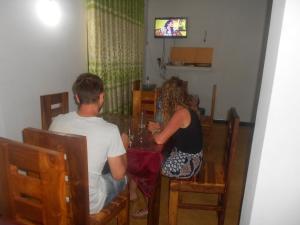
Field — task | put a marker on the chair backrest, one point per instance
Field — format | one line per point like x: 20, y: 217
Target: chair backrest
x: 136, y: 85
x: 53, y: 105
x: 34, y: 180
x: 231, y: 145
x: 207, y: 120
x: 144, y: 101
x: 75, y: 149
x: 213, y: 101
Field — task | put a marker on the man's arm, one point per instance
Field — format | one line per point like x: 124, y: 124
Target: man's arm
x: 118, y: 166
x: 125, y: 140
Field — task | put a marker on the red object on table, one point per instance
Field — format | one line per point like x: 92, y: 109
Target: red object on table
x: 144, y: 166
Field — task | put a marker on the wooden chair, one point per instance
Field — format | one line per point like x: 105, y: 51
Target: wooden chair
x: 144, y: 101
x: 34, y: 182
x: 53, y: 105
x: 212, y: 179
x: 8, y: 222
x: 207, y: 121
x: 74, y: 148
x: 136, y: 85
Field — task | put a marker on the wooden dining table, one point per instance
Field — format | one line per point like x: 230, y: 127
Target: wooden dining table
x: 144, y: 161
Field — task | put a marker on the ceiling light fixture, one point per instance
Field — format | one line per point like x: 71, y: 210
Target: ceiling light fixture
x: 49, y: 12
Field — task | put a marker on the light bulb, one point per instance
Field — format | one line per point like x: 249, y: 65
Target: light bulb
x: 49, y: 12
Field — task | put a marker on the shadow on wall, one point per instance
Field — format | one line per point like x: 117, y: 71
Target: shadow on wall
x: 2, y: 125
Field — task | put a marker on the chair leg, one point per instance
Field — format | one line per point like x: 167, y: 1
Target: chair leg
x: 123, y: 217
x: 180, y: 199
x: 221, y: 214
x: 209, y: 137
x: 220, y: 199
x: 173, y: 207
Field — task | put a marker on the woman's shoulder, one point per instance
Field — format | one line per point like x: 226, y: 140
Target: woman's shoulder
x: 183, y: 117
x: 182, y: 112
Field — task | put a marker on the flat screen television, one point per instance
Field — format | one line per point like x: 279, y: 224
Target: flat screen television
x: 170, y: 27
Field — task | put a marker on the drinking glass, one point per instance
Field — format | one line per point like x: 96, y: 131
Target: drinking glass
x: 130, y: 137
x: 142, y: 121
x: 141, y: 135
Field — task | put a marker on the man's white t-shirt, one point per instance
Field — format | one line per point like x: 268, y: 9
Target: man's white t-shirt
x: 103, y: 141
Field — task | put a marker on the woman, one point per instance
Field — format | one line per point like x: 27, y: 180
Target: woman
x: 181, y: 133
x: 168, y: 28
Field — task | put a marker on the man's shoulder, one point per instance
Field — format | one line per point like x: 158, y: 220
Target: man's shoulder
x: 107, y: 124
x: 72, y: 119
x: 62, y: 120
x: 66, y: 116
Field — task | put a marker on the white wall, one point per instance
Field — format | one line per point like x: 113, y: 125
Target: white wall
x: 36, y: 60
x: 272, y: 190
x: 235, y: 31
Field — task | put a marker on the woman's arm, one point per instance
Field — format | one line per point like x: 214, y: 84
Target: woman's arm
x: 180, y: 119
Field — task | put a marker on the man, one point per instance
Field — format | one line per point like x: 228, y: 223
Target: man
x: 104, y: 142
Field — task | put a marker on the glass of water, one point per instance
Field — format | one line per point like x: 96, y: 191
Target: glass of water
x: 130, y: 137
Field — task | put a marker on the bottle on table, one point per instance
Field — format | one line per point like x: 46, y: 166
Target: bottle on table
x: 142, y: 127
x: 147, y: 82
x: 142, y: 121
x: 159, y: 114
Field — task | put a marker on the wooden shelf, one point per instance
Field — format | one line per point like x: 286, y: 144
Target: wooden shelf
x: 189, y: 67
x: 191, y: 55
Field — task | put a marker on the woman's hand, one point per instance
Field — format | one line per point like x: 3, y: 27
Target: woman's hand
x: 153, y: 126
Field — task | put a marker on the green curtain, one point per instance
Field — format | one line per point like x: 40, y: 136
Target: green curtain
x: 115, y: 31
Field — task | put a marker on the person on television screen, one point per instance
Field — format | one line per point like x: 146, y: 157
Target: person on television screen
x: 169, y: 29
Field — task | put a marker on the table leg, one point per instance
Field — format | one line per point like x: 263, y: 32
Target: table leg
x: 154, y: 205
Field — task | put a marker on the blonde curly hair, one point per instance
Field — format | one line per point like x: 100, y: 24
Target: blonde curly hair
x: 173, y: 92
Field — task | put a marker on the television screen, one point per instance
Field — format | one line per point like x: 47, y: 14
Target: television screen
x: 170, y: 27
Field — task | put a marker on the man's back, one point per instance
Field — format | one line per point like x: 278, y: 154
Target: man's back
x: 103, y: 141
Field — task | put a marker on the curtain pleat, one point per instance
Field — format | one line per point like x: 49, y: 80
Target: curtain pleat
x: 115, y: 30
